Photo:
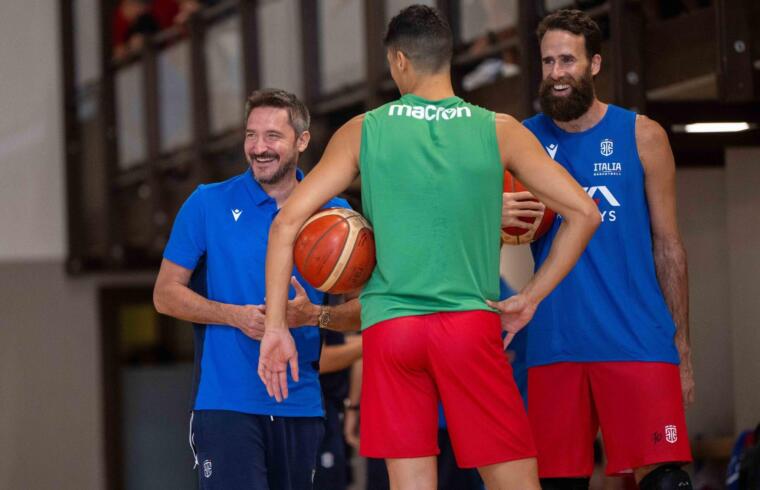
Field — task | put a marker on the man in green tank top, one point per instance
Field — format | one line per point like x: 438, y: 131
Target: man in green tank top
x: 432, y: 174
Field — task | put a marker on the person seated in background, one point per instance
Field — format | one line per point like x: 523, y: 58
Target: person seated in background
x: 500, y: 18
x: 136, y: 20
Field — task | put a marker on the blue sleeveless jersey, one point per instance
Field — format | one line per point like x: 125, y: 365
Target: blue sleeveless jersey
x: 610, y: 306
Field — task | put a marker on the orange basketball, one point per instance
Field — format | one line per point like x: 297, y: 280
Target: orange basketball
x: 534, y: 228
x: 335, y: 250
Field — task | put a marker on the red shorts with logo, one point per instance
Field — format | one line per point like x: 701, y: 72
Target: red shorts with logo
x: 411, y: 363
x: 638, y: 406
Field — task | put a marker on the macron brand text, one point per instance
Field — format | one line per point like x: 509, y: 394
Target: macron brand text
x: 429, y: 112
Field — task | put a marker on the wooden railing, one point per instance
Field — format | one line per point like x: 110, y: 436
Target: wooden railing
x: 170, y: 117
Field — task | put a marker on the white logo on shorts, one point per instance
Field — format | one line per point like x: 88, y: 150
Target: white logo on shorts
x: 207, y: 468
x: 671, y: 434
x: 327, y: 459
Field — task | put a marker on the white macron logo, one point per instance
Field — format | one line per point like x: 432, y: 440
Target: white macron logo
x: 207, y: 468
x: 552, y: 149
x: 236, y: 213
x: 429, y: 113
x: 671, y: 434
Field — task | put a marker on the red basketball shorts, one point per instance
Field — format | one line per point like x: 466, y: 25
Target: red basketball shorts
x: 410, y: 363
x: 638, y: 406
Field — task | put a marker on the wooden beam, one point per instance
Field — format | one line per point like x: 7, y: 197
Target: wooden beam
x: 77, y: 233
x: 451, y: 11
x: 249, y: 30
x: 684, y: 112
x: 704, y: 149
x: 107, y: 104
x: 374, y: 30
x: 679, y: 49
x: 530, y: 56
x: 152, y: 135
x: 735, y: 76
x: 310, y: 51
x: 626, y: 29
x: 199, y: 94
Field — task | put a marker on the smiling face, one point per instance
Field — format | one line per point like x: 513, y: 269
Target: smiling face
x: 271, y: 144
x: 567, y: 88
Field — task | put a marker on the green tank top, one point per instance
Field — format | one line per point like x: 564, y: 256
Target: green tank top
x: 432, y: 188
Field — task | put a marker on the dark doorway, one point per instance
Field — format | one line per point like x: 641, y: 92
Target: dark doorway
x: 147, y: 373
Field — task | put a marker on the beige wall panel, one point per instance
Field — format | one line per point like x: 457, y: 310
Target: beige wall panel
x: 743, y: 203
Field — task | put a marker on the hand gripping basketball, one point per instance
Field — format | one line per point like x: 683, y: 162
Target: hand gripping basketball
x: 533, y: 218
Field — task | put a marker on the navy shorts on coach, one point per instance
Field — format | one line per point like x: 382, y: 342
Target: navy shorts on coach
x: 237, y: 451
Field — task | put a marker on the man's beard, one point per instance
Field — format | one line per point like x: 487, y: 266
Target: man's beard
x: 282, y: 171
x: 569, y: 107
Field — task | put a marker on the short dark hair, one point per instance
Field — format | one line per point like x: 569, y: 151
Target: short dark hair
x: 575, y: 22
x: 274, y: 97
x: 423, y: 35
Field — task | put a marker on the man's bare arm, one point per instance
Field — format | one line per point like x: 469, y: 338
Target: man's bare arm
x: 339, y: 357
x: 669, y: 253
x: 335, y: 171
x: 173, y: 297
x: 554, y: 186
x: 351, y: 416
x: 344, y: 317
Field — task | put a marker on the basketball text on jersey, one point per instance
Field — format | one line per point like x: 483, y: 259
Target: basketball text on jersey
x: 607, y: 168
x: 428, y: 113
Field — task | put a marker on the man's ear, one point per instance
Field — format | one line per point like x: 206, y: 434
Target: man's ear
x: 596, y: 64
x: 397, y: 58
x: 303, y: 141
x: 403, y: 60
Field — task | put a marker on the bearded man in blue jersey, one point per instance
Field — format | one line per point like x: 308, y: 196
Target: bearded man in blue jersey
x: 609, y: 347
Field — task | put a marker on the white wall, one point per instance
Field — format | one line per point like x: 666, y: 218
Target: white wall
x: 743, y: 239
x: 31, y: 132
x: 701, y: 218
x: 50, y: 398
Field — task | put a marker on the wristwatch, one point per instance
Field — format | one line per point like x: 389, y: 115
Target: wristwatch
x: 324, y: 317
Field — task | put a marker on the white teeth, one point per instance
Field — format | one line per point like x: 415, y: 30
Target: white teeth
x: 561, y: 87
